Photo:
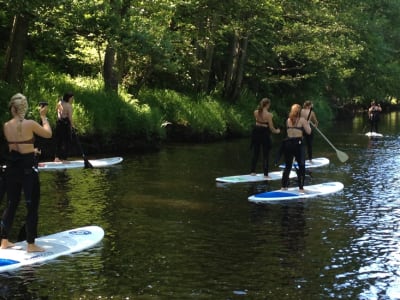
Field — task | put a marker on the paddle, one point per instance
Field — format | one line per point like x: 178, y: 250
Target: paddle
x: 88, y: 165
x: 340, y: 154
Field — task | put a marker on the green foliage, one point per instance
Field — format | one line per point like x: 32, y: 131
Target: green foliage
x: 96, y: 112
x: 201, y: 115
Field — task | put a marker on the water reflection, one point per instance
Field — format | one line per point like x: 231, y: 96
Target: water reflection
x: 173, y: 233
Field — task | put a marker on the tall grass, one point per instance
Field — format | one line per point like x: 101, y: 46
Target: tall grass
x: 198, y: 117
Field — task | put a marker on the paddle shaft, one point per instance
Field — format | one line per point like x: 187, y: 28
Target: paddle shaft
x: 341, y: 155
x: 326, y: 139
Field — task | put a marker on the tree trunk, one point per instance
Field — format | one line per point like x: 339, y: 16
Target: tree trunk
x: 235, y: 70
x: 230, y: 75
x: 109, y: 73
x: 14, y: 58
x: 240, y: 68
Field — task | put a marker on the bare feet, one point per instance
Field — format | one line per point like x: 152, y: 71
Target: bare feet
x: 302, y: 191
x: 34, y: 248
x: 5, y: 243
x: 283, y: 189
x: 267, y: 177
x: 57, y: 160
x: 253, y: 174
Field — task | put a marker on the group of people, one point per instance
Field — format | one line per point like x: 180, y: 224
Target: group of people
x: 21, y: 171
x: 298, y: 132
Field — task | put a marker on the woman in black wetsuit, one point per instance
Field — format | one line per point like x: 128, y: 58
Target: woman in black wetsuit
x: 261, y: 135
x: 293, y: 146
x: 63, y: 134
x: 21, y: 170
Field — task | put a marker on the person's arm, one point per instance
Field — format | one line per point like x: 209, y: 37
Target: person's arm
x: 271, y: 125
x: 44, y: 130
x: 313, y: 119
x: 70, y: 112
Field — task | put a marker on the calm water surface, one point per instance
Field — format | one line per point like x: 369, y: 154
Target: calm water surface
x: 173, y: 233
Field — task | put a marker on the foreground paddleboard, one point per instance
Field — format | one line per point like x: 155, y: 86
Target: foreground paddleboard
x: 73, y: 164
x: 276, y: 175
x: 62, y: 243
x: 374, y: 134
x: 293, y: 193
x: 316, y: 163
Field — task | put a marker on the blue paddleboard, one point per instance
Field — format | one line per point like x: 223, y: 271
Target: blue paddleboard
x: 293, y: 193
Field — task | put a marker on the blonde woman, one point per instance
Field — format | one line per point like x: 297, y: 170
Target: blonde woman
x: 21, y: 172
x: 261, y: 135
x: 293, y: 146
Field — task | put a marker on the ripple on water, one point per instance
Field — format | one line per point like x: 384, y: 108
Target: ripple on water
x: 372, y: 260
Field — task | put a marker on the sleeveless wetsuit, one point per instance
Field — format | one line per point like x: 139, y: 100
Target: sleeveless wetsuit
x: 63, y: 138
x: 260, y: 137
x: 294, y: 148
x: 21, y: 174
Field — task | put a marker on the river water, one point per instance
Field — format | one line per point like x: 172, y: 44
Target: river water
x: 171, y: 232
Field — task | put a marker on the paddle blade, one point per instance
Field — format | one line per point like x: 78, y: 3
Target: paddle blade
x: 87, y: 163
x: 343, y: 157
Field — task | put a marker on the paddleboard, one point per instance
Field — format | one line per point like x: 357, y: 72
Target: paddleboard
x: 374, y: 134
x: 276, y: 175
x: 316, y: 163
x: 61, y: 243
x: 73, y: 164
x: 293, y: 193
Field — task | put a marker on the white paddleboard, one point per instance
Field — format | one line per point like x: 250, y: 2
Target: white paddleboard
x: 293, y: 193
x: 276, y: 175
x: 374, y: 134
x: 316, y: 163
x: 62, y: 243
x: 73, y: 164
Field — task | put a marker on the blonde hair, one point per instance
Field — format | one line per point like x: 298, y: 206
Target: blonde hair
x: 19, y: 103
x: 19, y: 107
x: 294, y: 112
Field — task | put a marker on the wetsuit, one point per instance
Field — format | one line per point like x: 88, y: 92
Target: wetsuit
x: 261, y: 137
x: 374, y: 119
x: 63, y: 138
x: 293, y: 147
x: 308, y: 139
x: 21, y: 175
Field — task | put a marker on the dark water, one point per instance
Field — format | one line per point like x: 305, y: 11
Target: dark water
x: 173, y: 233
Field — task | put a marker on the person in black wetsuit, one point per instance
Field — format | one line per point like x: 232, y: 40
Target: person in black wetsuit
x: 308, y: 113
x: 293, y: 146
x: 261, y: 135
x: 373, y: 115
x: 21, y: 170
x: 63, y: 132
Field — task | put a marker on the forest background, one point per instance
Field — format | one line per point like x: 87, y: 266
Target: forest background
x: 149, y: 71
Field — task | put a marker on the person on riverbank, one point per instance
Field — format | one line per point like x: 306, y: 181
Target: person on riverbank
x: 293, y: 146
x: 64, y: 125
x: 373, y: 116
x: 261, y: 136
x: 21, y: 169
x: 308, y: 113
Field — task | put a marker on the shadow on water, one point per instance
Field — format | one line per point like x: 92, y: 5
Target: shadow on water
x: 172, y: 232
